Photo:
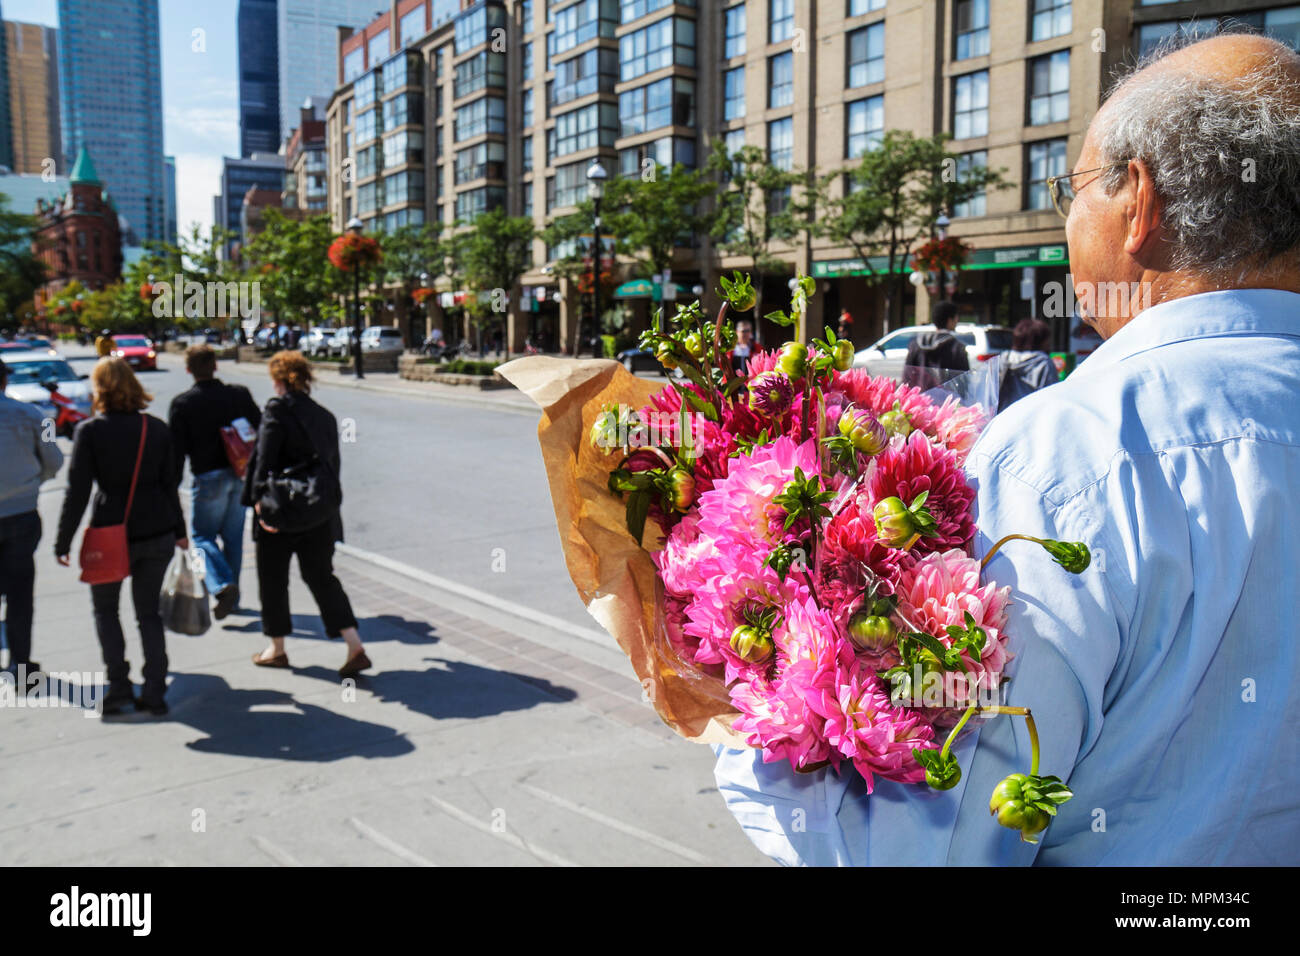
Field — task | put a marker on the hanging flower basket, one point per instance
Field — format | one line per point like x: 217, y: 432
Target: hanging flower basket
x: 350, y: 252
x: 936, y: 255
x: 422, y: 295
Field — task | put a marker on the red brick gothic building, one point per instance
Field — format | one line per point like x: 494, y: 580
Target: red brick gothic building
x: 77, y: 236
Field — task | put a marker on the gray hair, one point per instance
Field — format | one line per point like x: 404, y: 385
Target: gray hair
x: 1224, y: 157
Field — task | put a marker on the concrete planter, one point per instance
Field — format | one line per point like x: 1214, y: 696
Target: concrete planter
x: 372, y: 361
x: 419, y: 369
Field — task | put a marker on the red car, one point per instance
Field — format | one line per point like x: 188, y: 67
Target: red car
x: 137, y: 350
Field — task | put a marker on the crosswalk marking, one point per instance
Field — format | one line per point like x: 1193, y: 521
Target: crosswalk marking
x: 514, y: 840
x: 389, y: 844
x: 644, y: 835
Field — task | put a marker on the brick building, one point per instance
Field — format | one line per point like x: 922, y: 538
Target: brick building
x: 78, y: 235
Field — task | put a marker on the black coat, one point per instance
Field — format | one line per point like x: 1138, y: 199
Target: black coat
x: 197, y: 417
x: 294, y: 429
x: 103, y: 453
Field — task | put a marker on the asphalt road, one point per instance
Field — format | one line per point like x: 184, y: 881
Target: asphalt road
x: 457, y: 490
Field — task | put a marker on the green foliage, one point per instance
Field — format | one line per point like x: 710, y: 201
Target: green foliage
x: 21, y: 273
x: 290, y: 260
x: 470, y: 367
x: 648, y: 217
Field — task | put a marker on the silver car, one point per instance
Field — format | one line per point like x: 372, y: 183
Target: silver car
x: 316, y: 343
x: 28, y: 371
x: 888, y: 355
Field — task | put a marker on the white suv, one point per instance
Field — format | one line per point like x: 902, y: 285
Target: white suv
x: 887, y: 356
x: 381, y: 338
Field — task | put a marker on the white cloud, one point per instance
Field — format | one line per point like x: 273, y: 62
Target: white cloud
x: 198, y: 179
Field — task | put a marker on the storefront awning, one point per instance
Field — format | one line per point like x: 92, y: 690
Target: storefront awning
x: 1014, y: 257
x: 636, y: 289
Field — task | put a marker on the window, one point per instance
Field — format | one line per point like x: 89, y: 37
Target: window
x: 858, y: 7
x: 402, y: 70
x: 1049, y: 88
x: 474, y: 28
x: 733, y: 43
x: 487, y: 115
x: 586, y: 128
x: 1045, y: 159
x: 780, y: 20
x: 368, y: 126
x: 780, y: 80
x: 733, y: 141
x: 484, y: 161
x: 411, y: 26
x: 403, y: 217
x: 1051, y: 18
x: 1283, y: 24
x: 582, y: 75
x: 567, y: 187
x: 369, y: 197
x: 636, y: 9
x: 526, y: 110
x: 402, y: 148
x: 666, y: 102
x: 970, y: 105
x: 528, y: 200
x: 867, y: 55
x: 403, y: 187
x: 527, y: 164
x: 733, y: 96
x: 377, y: 47
x: 528, y: 60
x: 354, y: 64
x: 866, y: 125
x: 581, y: 22
x: 972, y: 28
x: 667, y: 151
x: 975, y: 206
x: 404, y: 109
x: 365, y: 91
x: 662, y: 43
x: 474, y: 202
x: 368, y: 162
x: 780, y: 143
x: 479, y: 71
x: 526, y: 15
x: 1149, y: 35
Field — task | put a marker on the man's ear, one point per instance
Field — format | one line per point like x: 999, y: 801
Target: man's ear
x: 1143, y: 210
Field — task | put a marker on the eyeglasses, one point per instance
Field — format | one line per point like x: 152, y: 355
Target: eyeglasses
x: 1062, y: 190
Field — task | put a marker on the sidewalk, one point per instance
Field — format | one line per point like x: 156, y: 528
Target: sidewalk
x: 477, y: 739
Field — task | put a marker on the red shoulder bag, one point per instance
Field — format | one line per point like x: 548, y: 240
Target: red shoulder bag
x: 105, y: 553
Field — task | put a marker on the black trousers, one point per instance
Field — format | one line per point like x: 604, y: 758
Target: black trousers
x: 315, y: 551
x: 149, y: 560
x: 19, y: 536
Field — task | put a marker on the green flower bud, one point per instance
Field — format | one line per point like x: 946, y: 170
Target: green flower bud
x: 871, y: 632
x: 681, y: 488
x: 1009, y: 789
x: 894, y: 525
x: 665, y: 355
x: 1071, y: 555
x: 751, y: 644
x: 695, y: 345
x: 794, y: 359
x: 896, y: 422
x: 944, y: 781
x: 861, y: 427
x: 842, y: 355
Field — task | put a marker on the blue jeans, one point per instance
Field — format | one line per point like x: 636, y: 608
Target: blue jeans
x: 218, y: 513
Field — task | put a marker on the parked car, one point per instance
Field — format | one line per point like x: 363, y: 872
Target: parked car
x: 340, y: 344
x: 30, y: 369
x: 38, y: 343
x: 381, y: 338
x: 316, y: 341
x: 642, y: 360
x: 886, y: 357
x: 137, y: 350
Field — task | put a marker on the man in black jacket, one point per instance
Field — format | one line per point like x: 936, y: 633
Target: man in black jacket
x: 197, y: 417
x: 932, y: 353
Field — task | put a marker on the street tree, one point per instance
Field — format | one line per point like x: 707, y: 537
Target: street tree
x: 410, y: 252
x: 649, y: 215
x: 497, y: 250
x: 891, y: 202
x: 21, y: 273
x: 289, y: 258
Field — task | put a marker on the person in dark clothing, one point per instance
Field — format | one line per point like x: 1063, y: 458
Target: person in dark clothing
x: 104, y: 451
x: 27, y: 461
x: 1026, y: 367
x: 294, y: 430
x: 196, y: 419
x: 933, y: 352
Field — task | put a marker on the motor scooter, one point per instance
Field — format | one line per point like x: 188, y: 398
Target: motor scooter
x: 67, y: 415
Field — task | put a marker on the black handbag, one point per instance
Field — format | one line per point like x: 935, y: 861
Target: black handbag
x: 302, y: 496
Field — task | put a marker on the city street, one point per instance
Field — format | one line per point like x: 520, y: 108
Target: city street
x: 499, y: 725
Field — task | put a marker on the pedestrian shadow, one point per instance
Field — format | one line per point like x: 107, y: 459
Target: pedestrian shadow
x: 306, y: 732
x: 453, y: 689
x: 379, y: 629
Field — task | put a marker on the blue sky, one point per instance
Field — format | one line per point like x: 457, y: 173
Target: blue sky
x: 200, y: 92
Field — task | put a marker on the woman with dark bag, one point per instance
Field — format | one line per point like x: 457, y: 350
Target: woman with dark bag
x: 293, y: 485
x: 135, y: 523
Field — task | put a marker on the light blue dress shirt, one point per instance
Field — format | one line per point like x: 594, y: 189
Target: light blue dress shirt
x: 1165, y: 679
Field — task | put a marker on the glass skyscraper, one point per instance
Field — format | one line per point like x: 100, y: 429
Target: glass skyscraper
x: 259, y: 78
x: 6, y: 126
x: 110, y: 91
x: 309, y: 49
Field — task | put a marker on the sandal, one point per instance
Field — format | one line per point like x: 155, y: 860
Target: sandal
x: 355, y: 665
x: 279, y: 660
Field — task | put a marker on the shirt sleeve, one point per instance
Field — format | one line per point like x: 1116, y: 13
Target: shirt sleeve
x: 1064, y: 633
x: 180, y: 436
x: 81, y: 474
x: 47, y: 452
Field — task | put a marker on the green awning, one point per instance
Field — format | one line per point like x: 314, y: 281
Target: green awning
x: 636, y: 289
x: 1010, y: 258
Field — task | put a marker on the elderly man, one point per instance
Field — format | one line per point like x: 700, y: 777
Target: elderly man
x: 1164, y: 678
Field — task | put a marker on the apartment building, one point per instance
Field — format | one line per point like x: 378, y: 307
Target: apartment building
x: 446, y: 110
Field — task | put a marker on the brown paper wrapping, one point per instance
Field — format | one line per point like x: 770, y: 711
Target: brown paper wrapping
x: 612, y: 572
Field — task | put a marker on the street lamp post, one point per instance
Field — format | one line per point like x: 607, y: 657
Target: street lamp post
x: 354, y: 227
x: 941, y: 227
x: 596, y: 176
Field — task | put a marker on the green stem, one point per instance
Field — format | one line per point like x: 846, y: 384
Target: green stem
x: 1011, y: 537
x: 952, y: 735
x: 1033, y: 745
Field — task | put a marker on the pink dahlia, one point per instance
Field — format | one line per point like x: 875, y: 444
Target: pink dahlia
x: 953, y: 425
x: 915, y: 465
x: 876, y: 735
x: 785, y: 714
x: 938, y: 591
x: 849, y: 544
x: 738, y: 510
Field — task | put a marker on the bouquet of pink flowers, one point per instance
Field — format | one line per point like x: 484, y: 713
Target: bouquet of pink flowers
x: 809, y: 527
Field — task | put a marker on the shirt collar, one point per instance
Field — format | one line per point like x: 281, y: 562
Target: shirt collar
x: 1204, y: 315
